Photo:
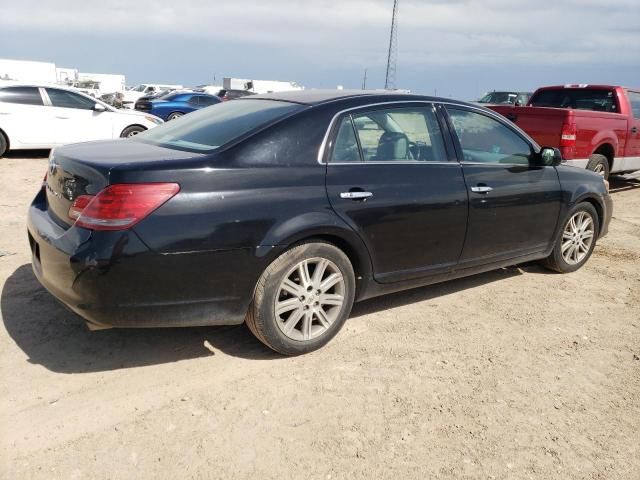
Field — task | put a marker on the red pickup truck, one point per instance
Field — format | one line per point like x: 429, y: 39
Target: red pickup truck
x: 595, y: 126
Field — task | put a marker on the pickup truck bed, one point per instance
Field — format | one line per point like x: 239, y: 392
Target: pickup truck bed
x: 595, y: 127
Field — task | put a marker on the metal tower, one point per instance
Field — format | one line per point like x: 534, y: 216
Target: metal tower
x: 390, y: 81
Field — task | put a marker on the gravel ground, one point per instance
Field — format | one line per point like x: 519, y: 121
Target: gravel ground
x: 512, y: 374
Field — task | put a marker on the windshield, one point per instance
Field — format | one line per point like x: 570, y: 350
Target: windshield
x: 212, y: 127
x: 581, y: 99
x: 139, y: 88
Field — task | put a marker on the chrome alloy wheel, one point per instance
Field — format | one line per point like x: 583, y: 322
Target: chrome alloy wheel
x: 599, y: 169
x: 577, y: 238
x: 309, y: 299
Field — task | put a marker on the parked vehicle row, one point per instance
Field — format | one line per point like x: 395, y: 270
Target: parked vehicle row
x: 281, y: 210
x: 595, y: 126
x: 45, y: 116
x: 505, y: 98
x: 172, y: 105
x: 128, y: 98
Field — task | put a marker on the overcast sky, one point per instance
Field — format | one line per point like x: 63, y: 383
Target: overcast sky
x: 457, y: 48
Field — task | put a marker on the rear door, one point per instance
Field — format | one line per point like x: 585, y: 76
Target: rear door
x: 513, y: 204
x: 633, y: 140
x: 392, y: 179
x: 76, y: 120
x: 24, y: 117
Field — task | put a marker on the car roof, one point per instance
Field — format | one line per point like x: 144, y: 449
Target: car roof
x: 14, y: 83
x: 317, y: 97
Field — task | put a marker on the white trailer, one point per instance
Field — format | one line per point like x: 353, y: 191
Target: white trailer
x: 26, y: 71
x: 259, y: 86
x: 109, y: 83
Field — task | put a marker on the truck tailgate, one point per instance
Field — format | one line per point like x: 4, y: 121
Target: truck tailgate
x: 544, y: 125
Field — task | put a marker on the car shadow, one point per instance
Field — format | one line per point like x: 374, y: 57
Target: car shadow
x: 27, y: 154
x: 52, y: 336
x: 623, y: 183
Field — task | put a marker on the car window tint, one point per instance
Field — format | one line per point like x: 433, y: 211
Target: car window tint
x: 345, y: 147
x: 577, y: 98
x: 404, y: 134
x: 65, y: 99
x: 21, y: 95
x: 206, y: 101
x: 634, y: 99
x: 210, y: 128
x: 485, y: 140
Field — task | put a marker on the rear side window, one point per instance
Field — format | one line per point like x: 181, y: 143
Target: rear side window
x: 345, y: 147
x: 21, y: 95
x: 66, y: 99
x: 485, y: 140
x: 210, y: 128
x: 576, y: 98
x: 399, y: 134
x: 634, y: 99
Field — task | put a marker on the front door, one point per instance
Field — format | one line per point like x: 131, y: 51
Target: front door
x: 514, y: 204
x: 389, y: 176
x: 76, y: 120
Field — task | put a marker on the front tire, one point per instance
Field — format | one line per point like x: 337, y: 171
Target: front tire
x: 599, y: 164
x: 132, y: 131
x: 302, y: 298
x: 576, y: 241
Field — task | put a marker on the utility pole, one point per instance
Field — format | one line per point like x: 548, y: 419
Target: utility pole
x: 364, y: 80
x: 390, y: 81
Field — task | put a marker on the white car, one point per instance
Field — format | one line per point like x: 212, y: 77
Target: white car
x: 128, y: 98
x: 45, y: 116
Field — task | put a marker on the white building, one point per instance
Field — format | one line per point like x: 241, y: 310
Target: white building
x: 259, y: 86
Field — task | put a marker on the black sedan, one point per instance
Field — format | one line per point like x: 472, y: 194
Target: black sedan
x: 281, y: 210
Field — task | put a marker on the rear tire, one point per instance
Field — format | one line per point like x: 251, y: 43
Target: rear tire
x: 599, y: 164
x: 576, y: 241
x: 302, y: 298
x: 4, y: 144
x: 132, y: 131
x: 174, y: 115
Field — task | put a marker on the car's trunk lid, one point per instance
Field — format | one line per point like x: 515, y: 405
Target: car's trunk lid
x: 86, y: 169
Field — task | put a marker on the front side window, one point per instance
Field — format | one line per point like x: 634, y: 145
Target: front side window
x: 66, y: 99
x: 21, y: 95
x: 399, y: 134
x: 486, y: 140
x: 209, y: 128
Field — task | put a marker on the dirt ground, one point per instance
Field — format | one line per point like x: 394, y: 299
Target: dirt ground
x: 517, y: 373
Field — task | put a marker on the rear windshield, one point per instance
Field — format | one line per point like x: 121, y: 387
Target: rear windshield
x: 579, y: 99
x: 212, y: 127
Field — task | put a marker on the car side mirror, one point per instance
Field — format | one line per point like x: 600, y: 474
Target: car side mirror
x: 98, y: 107
x: 550, y: 157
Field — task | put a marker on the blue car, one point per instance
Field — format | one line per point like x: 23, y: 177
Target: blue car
x: 175, y: 104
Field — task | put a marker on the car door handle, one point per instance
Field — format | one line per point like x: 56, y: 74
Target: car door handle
x: 62, y: 118
x: 356, y: 195
x: 481, y: 189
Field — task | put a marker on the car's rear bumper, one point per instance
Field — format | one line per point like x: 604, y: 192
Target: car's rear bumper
x: 112, y: 279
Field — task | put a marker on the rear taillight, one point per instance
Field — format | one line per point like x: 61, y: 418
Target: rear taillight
x: 120, y: 206
x: 568, y: 135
